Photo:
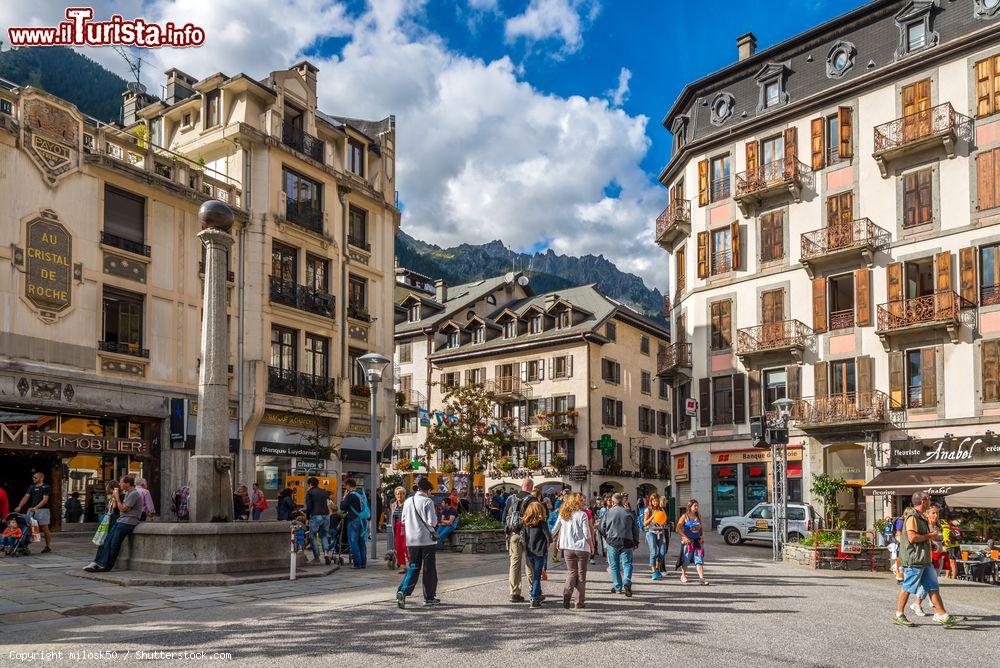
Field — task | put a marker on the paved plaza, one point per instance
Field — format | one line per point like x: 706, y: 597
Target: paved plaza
x: 754, y: 610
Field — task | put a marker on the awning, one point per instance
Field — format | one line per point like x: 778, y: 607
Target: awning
x: 987, y: 496
x: 936, y: 481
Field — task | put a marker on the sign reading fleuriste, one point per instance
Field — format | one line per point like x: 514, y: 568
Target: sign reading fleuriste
x: 48, y: 266
x: 953, y: 451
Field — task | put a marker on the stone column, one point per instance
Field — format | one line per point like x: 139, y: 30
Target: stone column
x: 210, y: 467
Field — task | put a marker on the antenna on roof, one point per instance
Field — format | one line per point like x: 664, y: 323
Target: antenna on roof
x: 135, y: 65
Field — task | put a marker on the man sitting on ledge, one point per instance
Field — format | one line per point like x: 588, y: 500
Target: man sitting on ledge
x: 130, y: 510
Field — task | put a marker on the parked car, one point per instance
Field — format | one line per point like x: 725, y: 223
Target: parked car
x: 758, y: 524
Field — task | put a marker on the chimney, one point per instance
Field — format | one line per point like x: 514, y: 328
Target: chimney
x: 180, y: 86
x: 441, y: 290
x: 133, y: 99
x: 308, y: 72
x: 746, y: 45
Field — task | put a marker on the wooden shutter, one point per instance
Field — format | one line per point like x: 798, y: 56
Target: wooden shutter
x: 967, y: 273
x: 894, y: 282
x: 752, y: 150
x: 865, y: 365
x: 541, y: 369
x: 910, y: 199
x: 753, y: 379
x: 618, y: 413
x: 988, y: 179
x: 821, y: 386
x: 846, y: 124
x: 703, y: 255
x: 897, y: 379
x: 739, y: 398
x: 990, y: 352
x: 984, y: 87
x: 926, y: 212
x: 681, y: 269
x: 734, y: 231
x: 818, y: 143
x: 702, y: 182
x: 928, y: 377
x: 819, y: 304
x: 794, y: 385
x: 704, y: 402
x: 942, y: 263
x: 766, y: 242
x: 791, y: 145
x: 726, y: 322
x: 863, y: 297
x: 569, y: 366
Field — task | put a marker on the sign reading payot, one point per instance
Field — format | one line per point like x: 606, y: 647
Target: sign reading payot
x: 691, y: 407
x: 950, y: 451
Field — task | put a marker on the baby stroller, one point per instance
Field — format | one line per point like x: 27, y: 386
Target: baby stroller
x: 338, y: 536
x: 20, y: 548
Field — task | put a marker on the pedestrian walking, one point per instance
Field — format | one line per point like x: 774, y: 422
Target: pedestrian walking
x: 421, y: 543
x: 398, y: 528
x: 36, y: 505
x: 356, y: 514
x: 621, y: 532
x: 536, y: 536
x: 690, y: 528
x: 318, y: 514
x: 513, y: 512
x: 576, y: 541
x: 286, y: 504
x: 127, y: 500
x: 915, y: 558
x: 258, y: 502
x: 148, y: 509
x: 657, y: 537
x: 939, y: 559
x: 74, y: 509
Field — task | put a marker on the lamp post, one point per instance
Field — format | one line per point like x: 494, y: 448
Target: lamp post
x: 780, y: 476
x: 373, y: 366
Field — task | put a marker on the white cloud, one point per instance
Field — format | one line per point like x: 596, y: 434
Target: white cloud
x: 481, y: 153
x: 562, y: 20
x: 620, y: 94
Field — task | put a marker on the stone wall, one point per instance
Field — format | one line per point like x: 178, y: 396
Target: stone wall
x: 488, y: 541
x: 803, y: 555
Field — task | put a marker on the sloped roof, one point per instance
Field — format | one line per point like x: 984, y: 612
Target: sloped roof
x: 459, y: 297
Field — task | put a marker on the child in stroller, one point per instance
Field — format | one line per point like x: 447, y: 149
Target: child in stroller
x: 16, y: 535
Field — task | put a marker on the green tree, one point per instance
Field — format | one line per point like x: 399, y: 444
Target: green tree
x: 826, y: 488
x: 315, y: 434
x: 474, y: 432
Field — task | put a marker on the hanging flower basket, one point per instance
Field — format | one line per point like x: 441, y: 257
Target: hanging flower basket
x: 505, y: 464
x: 559, y: 462
x: 448, y: 467
x: 533, y: 463
x: 403, y: 464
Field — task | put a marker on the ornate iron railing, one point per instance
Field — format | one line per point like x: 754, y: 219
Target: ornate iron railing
x: 676, y: 355
x: 860, y: 233
x: 772, y: 336
x: 116, y: 241
x: 939, y: 120
x: 358, y: 313
x: 677, y: 212
x: 776, y: 172
x: 721, y: 262
x: 989, y: 295
x: 842, y: 319
x: 302, y: 297
x: 719, y: 188
x: 297, y: 384
x: 558, y: 422
x: 358, y: 242
x: 509, y: 386
x: 868, y: 407
x: 305, y: 214
x: 300, y: 140
x: 944, y: 306
x: 133, y: 349
x: 410, y: 398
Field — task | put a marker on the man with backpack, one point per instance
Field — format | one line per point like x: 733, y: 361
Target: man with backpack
x: 512, y: 525
x: 356, y: 513
x: 319, y: 518
x: 621, y: 532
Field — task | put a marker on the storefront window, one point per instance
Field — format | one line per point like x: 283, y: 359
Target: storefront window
x: 754, y: 484
x: 725, y: 492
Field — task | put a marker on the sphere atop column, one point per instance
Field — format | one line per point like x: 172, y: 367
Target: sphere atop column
x: 216, y: 214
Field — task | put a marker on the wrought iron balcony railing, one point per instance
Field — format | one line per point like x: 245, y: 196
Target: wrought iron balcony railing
x: 509, y: 387
x: 302, y: 297
x: 297, y: 384
x: 133, y: 349
x: 556, y: 424
x: 773, y: 337
x: 674, y: 357
x: 674, y: 222
x: 358, y: 313
x: 777, y: 174
x: 302, y: 141
x: 919, y: 126
x: 305, y: 214
x: 989, y: 295
x: 944, y: 307
x: 839, y: 409
x: 359, y: 242
x: 860, y: 234
x: 409, y: 400
x: 116, y: 241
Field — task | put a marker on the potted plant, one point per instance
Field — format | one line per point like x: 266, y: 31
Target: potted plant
x: 505, y: 464
x: 559, y: 462
x: 403, y: 464
x: 360, y: 391
x: 400, y: 398
x: 447, y: 467
x: 613, y: 467
x: 532, y: 463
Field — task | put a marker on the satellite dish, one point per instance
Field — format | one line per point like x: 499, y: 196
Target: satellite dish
x: 509, y: 277
x: 136, y: 87
x: 522, y: 281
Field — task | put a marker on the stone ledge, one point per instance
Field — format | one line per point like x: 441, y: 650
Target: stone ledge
x: 478, y: 541
x: 146, y: 579
x: 804, y: 555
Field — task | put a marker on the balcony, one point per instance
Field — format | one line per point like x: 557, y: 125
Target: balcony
x: 672, y: 362
x: 297, y: 384
x: 409, y: 400
x: 788, y: 337
x: 127, y: 245
x: 943, y: 310
x: 358, y: 313
x: 302, y: 297
x: 131, y: 349
x: 297, y: 138
x: 305, y: 214
x: 555, y: 425
x: 861, y: 409
x: 673, y: 224
x: 508, y: 388
x: 989, y: 295
x: 359, y: 242
x: 854, y: 240
x: 937, y: 127
x: 230, y: 276
x: 769, y: 180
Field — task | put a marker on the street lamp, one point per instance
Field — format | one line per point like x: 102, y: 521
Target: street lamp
x: 373, y: 366
x: 780, y: 476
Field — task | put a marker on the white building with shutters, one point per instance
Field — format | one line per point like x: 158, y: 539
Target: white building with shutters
x: 840, y: 247
x: 571, y: 366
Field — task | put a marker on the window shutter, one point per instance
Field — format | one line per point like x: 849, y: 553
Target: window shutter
x: 541, y: 369
x: 897, y: 379
x: 792, y: 146
x: 866, y: 373
x: 967, y: 273
x: 928, y: 377
x: 702, y: 182
x: 846, y: 141
x: 734, y: 231
x: 704, y: 402
x: 926, y: 213
x: 753, y: 377
x: 618, y: 413
x: 943, y: 265
x: 821, y: 387
x: 571, y: 402
x: 986, y: 185
x: 894, y: 282
x: 794, y: 386
x: 726, y: 322
x: 766, y: 243
x: 819, y: 304
x: 703, y: 255
x: 739, y: 398
x: 777, y: 235
x: 569, y: 366
x: 863, y: 297
x: 524, y: 372
x: 984, y: 87
x: 990, y: 352
x: 910, y: 197
x: 496, y: 371
x: 751, y: 155
x: 817, y: 143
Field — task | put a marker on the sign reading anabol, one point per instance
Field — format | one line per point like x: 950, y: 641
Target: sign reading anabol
x: 48, y: 266
x: 952, y: 451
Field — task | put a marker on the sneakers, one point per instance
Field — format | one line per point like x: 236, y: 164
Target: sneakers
x: 899, y: 619
x: 431, y: 602
x: 400, y: 600
x: 46, y: 549
x: 616, y: 590
x: 704, y: 581
x: 684, y: 578
x: 657, y: 575
x: 545, y: 575
x: 917, y: 610
x: 94, y: 567
x: 517, y: 598
x: 627, y: 590
x: 535, y: 603
x: 566, y: 599
x: 948, y: 621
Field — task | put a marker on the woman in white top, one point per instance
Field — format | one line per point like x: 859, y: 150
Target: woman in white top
x: 577, y: 542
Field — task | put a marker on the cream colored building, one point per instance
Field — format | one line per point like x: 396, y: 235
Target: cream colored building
x: 570, y: 365
x: 310, y: 287
x: 832, y: 235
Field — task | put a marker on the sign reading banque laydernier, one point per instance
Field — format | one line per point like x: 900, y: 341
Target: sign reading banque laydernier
x: 48, y: 266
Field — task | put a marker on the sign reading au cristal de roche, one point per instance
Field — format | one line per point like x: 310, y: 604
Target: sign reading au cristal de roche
x: 48, y: 265
x: 953, y: 451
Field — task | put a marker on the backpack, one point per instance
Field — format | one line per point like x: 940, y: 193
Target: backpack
x: 366, y: 513
x: 515, y: 509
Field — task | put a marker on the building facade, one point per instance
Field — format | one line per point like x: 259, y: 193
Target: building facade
x: 571, y: 366
x: 831, y: 231
x: 105, y: 324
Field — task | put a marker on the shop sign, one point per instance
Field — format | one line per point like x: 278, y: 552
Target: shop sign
x: 232, y: 410
x: 289, y: 419
x: 282, y: 450
x: 955, y: 450
x: 48, y: 266
x: 752, y: 456
x: 21, y: 438
x: 691, y: 407
x: 681, y: 468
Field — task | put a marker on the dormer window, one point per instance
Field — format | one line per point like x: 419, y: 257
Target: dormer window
x: 916, y: 29
x: 479, y: 335
x: 414, y: 313
x: 213, y: 110
x: 535, y: 324
x: 510, y: 329
x: 772, y: 94
x: 772, y: 79
x: 916, y: 36
x: 490, y: 299
x: 453, y: 339
x: 563, y: 319
x: 356, y: 157
x: 840, y: 59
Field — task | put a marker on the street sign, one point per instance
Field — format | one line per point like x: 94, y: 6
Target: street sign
x: 691, y: 407
x: 577, y: 473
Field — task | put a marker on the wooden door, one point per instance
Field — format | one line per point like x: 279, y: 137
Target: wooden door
x: 839, y: 214
x: 916, y: 110
x: 772, y: 316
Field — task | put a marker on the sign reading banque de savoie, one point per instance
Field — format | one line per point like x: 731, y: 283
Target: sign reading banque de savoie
x: 48, y: 266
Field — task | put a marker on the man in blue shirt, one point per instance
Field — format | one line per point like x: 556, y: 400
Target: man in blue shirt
x: 447, y: 521
x: 352, y: 506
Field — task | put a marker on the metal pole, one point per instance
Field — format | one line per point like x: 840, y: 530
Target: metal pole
x: 373, y: 520
x: 784, y: 495
x: 774, y: 502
